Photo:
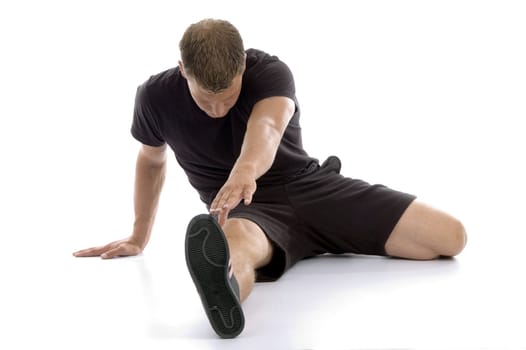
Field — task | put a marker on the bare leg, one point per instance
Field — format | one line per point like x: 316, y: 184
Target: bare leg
x: 250, y: 249
x: 426, y: 233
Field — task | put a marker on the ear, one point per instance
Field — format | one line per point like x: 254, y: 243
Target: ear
x: 244, y: 65
x: 181, y: 68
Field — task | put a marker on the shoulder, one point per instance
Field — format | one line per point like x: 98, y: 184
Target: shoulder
x: 256, y: 56
x: 258, y: 61
x: 266, y: 75
x: 163, y: 78
x: 159, y: 85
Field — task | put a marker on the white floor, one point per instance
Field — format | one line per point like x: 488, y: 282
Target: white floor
x: 425, y: 97
x: 476, y: 301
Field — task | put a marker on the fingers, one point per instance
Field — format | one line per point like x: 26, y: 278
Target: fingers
x: 115, y: 252
x: 247, y: 196
x: 109, y: 251
x: 223, y: 207
x: 229, y: 198
x: 222, y: 199
x: 222, y: 216
x: 96, y: 251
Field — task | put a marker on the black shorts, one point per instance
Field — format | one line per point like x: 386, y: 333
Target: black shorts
x: 320, y: 211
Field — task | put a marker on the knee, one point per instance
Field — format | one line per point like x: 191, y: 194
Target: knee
x: 234, y: 228
x: 238, y: 233
x: 247, y: 242
x: 455, y: 240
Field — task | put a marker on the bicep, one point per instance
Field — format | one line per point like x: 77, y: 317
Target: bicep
x: 156, y: 156
x: 272, y: 112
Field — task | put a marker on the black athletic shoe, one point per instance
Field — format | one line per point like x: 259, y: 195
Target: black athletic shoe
x: 208, y: 258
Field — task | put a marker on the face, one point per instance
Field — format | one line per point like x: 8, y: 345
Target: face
x: 215, y: 104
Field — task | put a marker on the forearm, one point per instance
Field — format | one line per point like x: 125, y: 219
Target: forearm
x: 258, y: 151
x: 149, y: 181
x: 265, y: 129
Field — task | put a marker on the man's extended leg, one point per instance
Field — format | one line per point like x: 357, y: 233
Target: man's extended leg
x: 426, y: 233
x: 210, y: 255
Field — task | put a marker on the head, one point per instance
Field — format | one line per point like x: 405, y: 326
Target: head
x: 213, y: 62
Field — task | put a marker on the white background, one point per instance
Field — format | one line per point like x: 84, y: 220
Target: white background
x: 425, y: 97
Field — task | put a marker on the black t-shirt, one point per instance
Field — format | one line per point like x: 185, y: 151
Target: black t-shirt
x: 205, y: 147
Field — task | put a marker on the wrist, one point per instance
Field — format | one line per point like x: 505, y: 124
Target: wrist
x: 246, y: 168
x: 139, y: 238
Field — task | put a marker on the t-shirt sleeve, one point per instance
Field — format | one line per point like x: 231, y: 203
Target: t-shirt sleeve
x: 145, y: 125
x: 275, y: 79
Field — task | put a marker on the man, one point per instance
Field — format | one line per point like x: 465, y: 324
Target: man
x: 232, y: 120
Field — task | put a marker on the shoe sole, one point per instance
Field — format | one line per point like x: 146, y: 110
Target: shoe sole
x: 207, y: 258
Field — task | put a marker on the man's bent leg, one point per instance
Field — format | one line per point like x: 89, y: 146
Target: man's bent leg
x: 426, y: 233
x: 250, y: 249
